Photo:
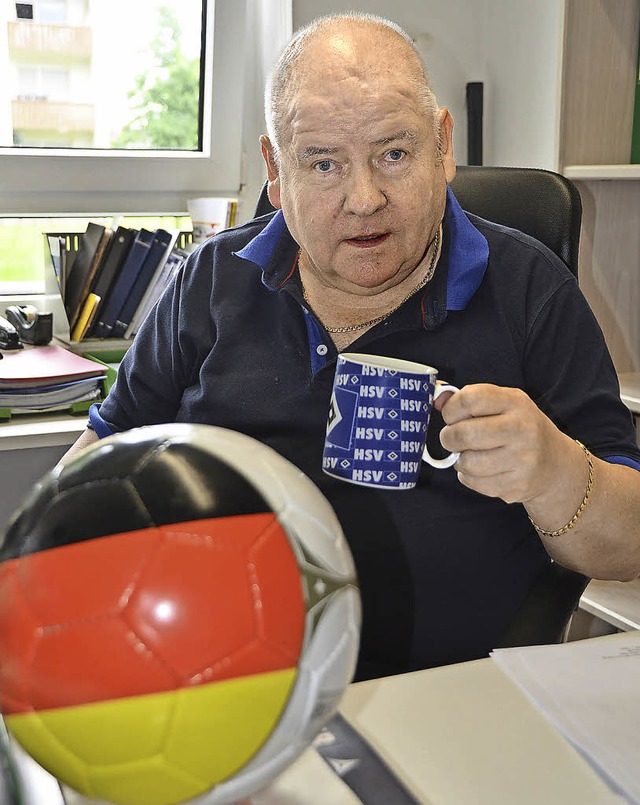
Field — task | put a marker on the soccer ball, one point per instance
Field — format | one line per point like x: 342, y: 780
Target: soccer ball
x: 179, y: 617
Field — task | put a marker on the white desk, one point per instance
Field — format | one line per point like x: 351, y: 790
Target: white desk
x: 458, y: 735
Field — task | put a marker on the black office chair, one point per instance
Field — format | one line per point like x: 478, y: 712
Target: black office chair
x: 548, y: 207
x: 545, y: 614
x: 540, y: 203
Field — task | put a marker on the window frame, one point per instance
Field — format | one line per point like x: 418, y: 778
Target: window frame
x: 53, y: 182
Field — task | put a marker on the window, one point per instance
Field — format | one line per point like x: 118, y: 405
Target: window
x: 24, y: 11
x: 43, y: 83
x: 66, y: 86
x: 74, y: 173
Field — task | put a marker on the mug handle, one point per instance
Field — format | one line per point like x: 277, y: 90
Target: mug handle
x: 448, y: 461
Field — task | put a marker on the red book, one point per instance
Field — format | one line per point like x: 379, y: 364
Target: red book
x: 36, y: 367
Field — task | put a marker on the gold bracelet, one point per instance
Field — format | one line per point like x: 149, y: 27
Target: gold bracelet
x: 581, y: 507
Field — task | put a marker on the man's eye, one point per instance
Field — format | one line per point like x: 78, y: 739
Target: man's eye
x: 395, y: 155
x: 324, y: 166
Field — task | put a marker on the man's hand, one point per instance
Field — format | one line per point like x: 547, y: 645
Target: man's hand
x: 509, y: 448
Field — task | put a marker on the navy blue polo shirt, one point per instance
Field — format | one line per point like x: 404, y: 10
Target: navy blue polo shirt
x: 442, y: 569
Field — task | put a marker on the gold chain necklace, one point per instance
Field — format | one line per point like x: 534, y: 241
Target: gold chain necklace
x: 352, y: 328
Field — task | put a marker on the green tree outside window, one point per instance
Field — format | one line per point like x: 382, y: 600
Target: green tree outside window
x: 165, y: 97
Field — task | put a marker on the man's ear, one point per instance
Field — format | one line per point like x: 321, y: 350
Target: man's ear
x: 445, y: 128
x: 273, y: 174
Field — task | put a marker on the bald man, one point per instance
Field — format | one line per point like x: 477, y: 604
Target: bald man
x: 370, y: 250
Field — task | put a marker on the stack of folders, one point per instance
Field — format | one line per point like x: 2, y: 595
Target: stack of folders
x: 48, y: 378
x: 114, y: 276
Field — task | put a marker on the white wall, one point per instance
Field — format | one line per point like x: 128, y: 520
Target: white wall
x: 522, y: 58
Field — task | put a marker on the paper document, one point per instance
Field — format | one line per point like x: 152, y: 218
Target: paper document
x: 590, y: 690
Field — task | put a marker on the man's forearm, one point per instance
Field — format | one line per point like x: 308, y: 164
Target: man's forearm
x: 86, y: 438
x: 604, y: 541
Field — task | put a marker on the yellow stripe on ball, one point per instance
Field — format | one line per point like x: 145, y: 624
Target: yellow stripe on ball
x: 158, y: 749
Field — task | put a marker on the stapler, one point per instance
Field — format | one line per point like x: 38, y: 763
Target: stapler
x: 9, y: 338
x: 33, y: 327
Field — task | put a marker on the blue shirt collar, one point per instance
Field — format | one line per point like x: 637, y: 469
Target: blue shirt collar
x: 465, y: 254
x: 467, y: 257
x: 273, y: 250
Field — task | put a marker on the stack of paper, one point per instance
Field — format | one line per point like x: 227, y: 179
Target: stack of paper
x: 590, y: 690
x: 45, y: 378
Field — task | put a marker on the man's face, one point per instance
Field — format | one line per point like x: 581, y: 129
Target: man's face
x: 360, y: 180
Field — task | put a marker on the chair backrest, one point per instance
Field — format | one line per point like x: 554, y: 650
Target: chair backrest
x: 545, y: 614
x: 538, y: 202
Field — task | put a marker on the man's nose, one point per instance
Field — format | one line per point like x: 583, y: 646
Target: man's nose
x: 364, y: 194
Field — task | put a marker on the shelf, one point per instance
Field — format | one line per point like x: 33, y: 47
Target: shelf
x: 98, y: 347
x: 630, y: 390
x: 616, y: 602
x: 602, y: 172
